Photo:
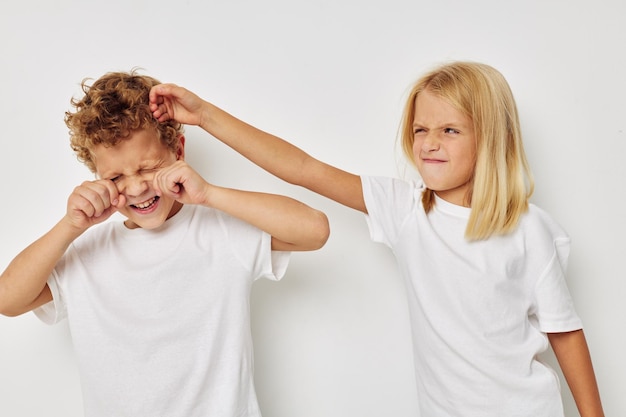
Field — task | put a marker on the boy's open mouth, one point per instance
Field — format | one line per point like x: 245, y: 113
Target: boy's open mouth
x: 146, y: 204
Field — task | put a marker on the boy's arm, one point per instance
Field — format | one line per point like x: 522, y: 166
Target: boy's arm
x: 23, y: 284
x: 572, y: 353
x: 279, y: 157
x: 294, y: 226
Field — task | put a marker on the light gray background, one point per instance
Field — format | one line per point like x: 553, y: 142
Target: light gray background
x: 331, y: 339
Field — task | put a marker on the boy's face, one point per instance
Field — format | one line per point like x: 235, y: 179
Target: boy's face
x: 131, y: 165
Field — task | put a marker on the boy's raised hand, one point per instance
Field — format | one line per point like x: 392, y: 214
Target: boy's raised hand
x: 182, y: 183
x: 171, y: 102
x: 93, y: 202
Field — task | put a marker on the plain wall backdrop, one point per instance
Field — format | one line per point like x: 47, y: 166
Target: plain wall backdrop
x: 331, y: 338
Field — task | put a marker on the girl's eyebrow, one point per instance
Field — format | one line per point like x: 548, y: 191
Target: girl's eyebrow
x: 453, y: 123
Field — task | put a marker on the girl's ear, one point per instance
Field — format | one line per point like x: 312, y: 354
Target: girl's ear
x: 180, y: 153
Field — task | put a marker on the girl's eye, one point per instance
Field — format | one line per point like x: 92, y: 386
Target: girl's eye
x: 116, y: 179
x: 418, y: 130
x: 450, y: 130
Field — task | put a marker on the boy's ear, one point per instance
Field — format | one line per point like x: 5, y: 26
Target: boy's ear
x: 180, y: 153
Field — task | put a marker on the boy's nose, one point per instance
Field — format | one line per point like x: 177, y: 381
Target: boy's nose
x: 135, y: 185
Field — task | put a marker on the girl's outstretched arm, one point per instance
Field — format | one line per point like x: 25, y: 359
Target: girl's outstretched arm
x: 572, y: 352
x: 275, y: 155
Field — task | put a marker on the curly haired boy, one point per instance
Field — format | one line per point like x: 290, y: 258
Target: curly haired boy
x: 158, y: 305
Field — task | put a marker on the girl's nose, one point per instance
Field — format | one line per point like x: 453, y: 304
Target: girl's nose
x: 430, y: 143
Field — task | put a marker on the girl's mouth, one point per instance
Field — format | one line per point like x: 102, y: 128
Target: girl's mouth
x: 146, y: 205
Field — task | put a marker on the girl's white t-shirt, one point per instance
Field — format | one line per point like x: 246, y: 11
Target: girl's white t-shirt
x: 479, y: 310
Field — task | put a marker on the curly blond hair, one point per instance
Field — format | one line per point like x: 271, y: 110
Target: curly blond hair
x: 113, y: 107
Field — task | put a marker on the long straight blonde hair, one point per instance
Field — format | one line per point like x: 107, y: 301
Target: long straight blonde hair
x: 502, y: 183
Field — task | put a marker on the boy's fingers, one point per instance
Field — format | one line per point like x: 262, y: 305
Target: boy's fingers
x: 97, y: 196
x: 112, y: 194
x: 169, y: 180
x: 169, y: 186
x: 120, y: 201
x: 83, y: 205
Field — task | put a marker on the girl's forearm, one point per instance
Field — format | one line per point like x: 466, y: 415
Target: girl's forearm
x: 284, y: 160
x: 572, y: 352
x: 270, y: 152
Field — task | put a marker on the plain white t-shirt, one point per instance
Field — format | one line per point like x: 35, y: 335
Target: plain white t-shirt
x: 479, y: 310
x: 160, y: 319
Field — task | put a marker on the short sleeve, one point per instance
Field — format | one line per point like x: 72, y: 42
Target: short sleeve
x: 554, y: 306
x: 280, y: 261
x: 53, y: 311
x: 253, y: 248
x: 389, y: 202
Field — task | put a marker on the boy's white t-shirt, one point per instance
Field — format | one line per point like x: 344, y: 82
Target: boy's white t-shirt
x: 479, y: 310
x: 160, y: 319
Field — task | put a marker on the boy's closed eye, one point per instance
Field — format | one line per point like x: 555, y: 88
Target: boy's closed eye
x: 141, y: 172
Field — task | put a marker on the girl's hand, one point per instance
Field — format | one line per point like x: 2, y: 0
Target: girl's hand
x: 93, y: 202
x: 180, y: 182
x: 171, y: 102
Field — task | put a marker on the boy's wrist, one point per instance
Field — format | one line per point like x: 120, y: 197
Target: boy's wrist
x: 68, y: 228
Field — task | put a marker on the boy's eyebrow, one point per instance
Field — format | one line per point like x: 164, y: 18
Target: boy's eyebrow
x: 157, y: 164
x: 107, y: 176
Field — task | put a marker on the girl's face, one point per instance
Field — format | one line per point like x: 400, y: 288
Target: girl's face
x: 131, y: 165
x: 444, y: 148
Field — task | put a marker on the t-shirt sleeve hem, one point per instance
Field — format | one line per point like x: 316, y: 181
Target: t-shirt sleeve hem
x: 280, y: 261
x: 49, y: 313
x: 562, y: 327
x: 375, y: 232
x: 277, y: 262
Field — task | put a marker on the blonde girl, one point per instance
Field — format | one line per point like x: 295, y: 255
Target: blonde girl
x: 484, y: 269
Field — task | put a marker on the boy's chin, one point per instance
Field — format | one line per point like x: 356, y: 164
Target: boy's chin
x: 132, y: 223
x: 152, y: 220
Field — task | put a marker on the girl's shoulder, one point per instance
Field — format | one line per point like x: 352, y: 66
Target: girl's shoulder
x: 538, y: 223
x: 390, y: 186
